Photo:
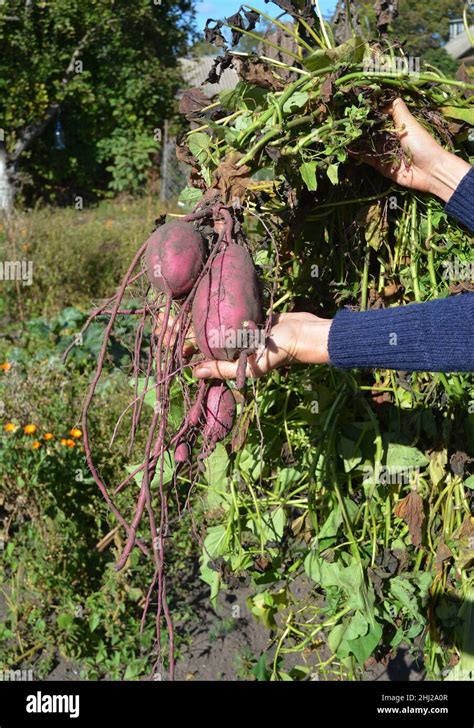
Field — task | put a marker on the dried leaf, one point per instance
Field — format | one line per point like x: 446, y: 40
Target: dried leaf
x: 214, y: 35
x: 462, y: 74
x: 458, y: 461
x: 232, y: 181
x: 327, y: 89
x: 410, y: 509
x: 220, y: 64
x: 238, y: 22
x: 192, y: 101
x: 258, y: 73
x: 183, y: 153
x: 442, y: 554
x: 385, y: 11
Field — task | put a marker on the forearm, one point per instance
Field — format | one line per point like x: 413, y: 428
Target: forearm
x: 431, y: 336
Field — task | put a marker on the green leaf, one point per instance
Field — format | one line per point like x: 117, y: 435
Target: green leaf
x: 198, y: 144
x: 308, y: 173
x: 273, y: 524
x: 362, y: 647
x: 260, y: 670
x: 464, y: 114
x: 215, y: 474
x: 190, y: 196
x: 134, y: 669
x: 403, y: 457
x: 65, y: 621
x: 333, y: 173
x: 296, y: 101
x: 150, y: 397
x: 350, y: 454
x: 244, y: 95
x: 213, y: 579
x: 352, y: 51
x: 215, y: 542
x: 168, y: 470
x: 94, y: 621
x: 469, y: 482
x: 404, y: 592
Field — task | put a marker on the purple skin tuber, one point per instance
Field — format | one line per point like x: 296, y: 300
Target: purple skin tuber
x: 220, y: 413
x: 227, y: 307
x: 181, y: 454
x: 174, y: 258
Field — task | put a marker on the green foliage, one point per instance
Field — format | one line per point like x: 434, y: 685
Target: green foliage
x: 343, y: 486
x: 78, y: 256
x: 61, y: 591
x: 118, y: 93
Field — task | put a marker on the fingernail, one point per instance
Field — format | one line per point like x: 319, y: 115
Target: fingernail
x: 202, y: 372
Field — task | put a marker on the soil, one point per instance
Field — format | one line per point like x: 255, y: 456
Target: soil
x: 223, y: 645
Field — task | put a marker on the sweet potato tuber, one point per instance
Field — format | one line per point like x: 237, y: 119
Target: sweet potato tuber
x: 220, y: 413
x: 181, y: 454
x: 174, y: 257
x: 227, y: 306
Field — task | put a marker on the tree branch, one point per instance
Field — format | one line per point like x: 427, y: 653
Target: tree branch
x: 33, y: 130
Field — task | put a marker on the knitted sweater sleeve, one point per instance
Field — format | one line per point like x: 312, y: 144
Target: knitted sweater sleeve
x: 435, y: 336
x: 461, y: 203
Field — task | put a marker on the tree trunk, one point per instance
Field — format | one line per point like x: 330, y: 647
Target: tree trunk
x: 7, y: 191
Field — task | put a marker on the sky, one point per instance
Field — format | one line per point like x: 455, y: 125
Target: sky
x: 219, y: 9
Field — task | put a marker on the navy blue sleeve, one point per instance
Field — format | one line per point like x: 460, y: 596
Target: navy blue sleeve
x: 460, y: 204
x: 435, y: 336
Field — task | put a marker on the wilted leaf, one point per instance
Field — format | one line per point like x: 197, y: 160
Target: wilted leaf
x: 442, y: 554
x: 258, y: 73
x: 192, y: 101
x: 231, y: 180
x: 410, y: 509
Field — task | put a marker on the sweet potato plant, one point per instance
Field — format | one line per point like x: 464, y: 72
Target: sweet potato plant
x: 356, y: 484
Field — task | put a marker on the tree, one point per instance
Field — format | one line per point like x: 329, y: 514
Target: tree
x: 419, y: 26
x: 422, y: 26
x: 106, y: 71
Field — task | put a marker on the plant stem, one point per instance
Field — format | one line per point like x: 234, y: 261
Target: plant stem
x: 365, y: 279
x: 278, y: 48
x: 413, y: 261
x: 430, y: 261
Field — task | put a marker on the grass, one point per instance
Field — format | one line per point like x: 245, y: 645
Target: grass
x: 78, y: 256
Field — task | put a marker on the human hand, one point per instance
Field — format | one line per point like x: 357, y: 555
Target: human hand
x: 169, y: 336
x: 294, y: 338
x: 432, y: 168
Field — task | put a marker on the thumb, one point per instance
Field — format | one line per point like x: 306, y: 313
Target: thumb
x: 216, y: 369
x: 399, y: 111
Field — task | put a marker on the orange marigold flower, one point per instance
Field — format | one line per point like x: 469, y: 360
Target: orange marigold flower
x: 10, y: 427
x: 36, y: 445
x: 63, y: 441
x: 48, y: 436
x: 75, y: 432
x: 70, y: 443
x: 6, y: 366
x: 29, y: 429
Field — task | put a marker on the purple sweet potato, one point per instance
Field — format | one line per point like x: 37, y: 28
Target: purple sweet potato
x: 227, y: 306
x: 174, y: 257
x: 220, y: 413
x: 181, y: 454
